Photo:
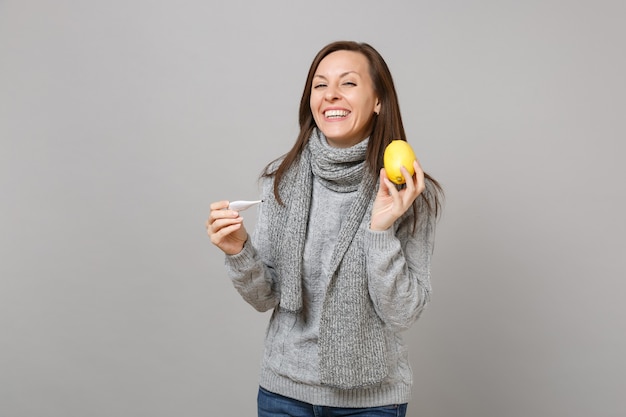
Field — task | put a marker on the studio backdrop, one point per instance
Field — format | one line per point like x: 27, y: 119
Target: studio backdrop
x: 121, y: 121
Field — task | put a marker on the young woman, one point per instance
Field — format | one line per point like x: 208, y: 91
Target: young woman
x: 340, y: 253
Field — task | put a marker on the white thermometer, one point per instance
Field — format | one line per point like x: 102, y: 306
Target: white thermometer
x: 242, y: 204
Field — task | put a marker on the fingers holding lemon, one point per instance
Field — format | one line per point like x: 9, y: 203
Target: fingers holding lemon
x: 398, y: 154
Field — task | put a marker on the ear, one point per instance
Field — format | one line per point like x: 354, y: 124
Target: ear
x: 377, y: 107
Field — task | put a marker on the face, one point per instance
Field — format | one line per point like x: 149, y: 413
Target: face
x: 343, y: 101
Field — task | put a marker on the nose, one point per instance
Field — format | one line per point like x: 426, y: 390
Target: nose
x: 331, y: 93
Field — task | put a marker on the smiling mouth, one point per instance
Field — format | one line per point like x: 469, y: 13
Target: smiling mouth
x: 336, y: 114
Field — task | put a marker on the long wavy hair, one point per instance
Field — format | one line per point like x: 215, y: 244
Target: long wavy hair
x: 386, y: 126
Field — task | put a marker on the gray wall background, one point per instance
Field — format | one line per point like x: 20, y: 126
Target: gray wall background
x: 120, y: 121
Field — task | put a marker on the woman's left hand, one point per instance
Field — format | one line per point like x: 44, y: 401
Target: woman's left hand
x: 392, y: 203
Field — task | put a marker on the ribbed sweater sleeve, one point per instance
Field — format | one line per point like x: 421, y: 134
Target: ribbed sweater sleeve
x: 398, y: 265
x: 253, y: 278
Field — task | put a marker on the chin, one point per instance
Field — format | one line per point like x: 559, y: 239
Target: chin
x: 333, y: 134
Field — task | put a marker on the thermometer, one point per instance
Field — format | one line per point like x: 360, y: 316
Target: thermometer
x: 242, y: 204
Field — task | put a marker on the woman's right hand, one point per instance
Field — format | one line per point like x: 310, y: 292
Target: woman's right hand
x: 225, y: 228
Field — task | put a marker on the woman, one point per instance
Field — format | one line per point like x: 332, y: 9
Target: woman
x: 339, y: 253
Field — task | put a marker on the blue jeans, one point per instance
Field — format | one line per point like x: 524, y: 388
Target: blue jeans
x: 274, y: 405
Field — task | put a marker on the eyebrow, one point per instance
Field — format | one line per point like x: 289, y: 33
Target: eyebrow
x: 341, y: 76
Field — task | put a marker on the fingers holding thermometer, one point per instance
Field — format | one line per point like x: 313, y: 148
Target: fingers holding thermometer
x: 225, y: 228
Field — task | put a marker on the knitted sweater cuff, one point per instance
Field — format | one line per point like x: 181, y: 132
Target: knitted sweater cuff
x: 241, y: 261
x: 383, y: 239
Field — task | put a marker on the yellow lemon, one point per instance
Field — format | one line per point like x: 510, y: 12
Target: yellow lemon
x: 397, y: 154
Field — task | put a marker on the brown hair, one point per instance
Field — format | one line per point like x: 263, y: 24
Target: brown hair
x: 386, y: 126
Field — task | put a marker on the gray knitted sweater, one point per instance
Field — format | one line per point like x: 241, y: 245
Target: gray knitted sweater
x: 398, y: 283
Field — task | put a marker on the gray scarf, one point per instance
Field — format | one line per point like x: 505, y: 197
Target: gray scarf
x: 351, y: 342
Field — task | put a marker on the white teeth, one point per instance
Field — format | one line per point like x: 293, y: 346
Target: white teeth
x: 336, y: 113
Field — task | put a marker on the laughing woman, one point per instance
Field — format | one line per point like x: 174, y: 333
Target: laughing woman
x: 340, y: 253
